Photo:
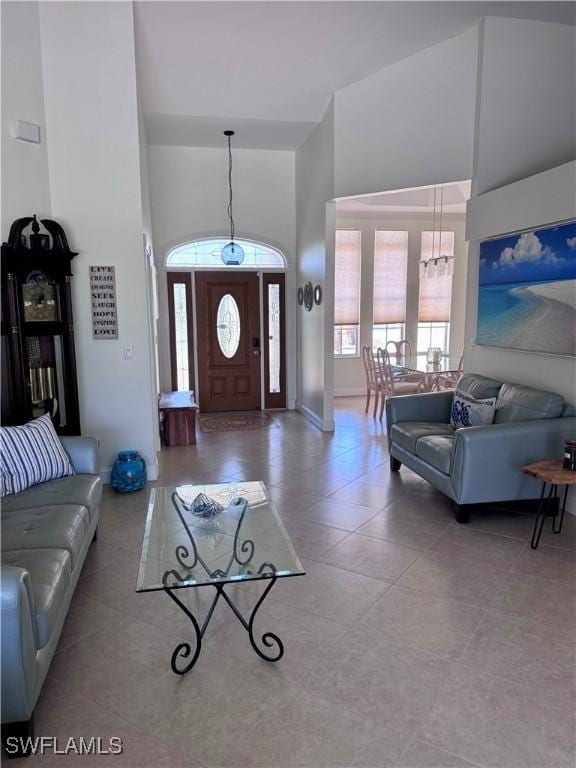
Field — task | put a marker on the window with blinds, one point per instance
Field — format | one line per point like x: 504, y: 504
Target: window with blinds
x: 435, y: 287
x: 435, y: 292
x: 347, y: 292
x: 390, y: 265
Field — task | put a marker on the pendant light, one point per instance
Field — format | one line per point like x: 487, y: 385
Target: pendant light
x: 439, y: 264
x: 232, y: 253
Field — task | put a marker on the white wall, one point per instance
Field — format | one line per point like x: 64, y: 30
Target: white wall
x: 25, y: 183
x: 409, y: 125
x: 315, y: 225
x: 189, y: 196
x: 150, y: 266
x: 349, y: 378
x: 526, y: 114
x: 94, y: 165
x: 524, y: 123
x: 533, y: 202
x: 189, y: 193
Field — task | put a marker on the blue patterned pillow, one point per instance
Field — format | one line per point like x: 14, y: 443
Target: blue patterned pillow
x: 30, y: 455
x: 469, y: 412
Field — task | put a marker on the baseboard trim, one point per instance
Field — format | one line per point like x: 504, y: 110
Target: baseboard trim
x: 324, y: 425
x: 310, y: 416
x: 350, y: 392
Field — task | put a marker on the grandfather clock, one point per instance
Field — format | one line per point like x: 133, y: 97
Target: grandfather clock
x: 38, y: 358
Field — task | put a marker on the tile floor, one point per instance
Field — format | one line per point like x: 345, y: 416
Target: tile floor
x: 411, y: 642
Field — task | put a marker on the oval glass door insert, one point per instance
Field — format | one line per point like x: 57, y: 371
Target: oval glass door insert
x: 228, y: 325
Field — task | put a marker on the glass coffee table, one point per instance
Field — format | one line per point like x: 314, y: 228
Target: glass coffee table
x: 215, y: 535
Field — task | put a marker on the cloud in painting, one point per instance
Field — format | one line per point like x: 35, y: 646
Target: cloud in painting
x: 571, y: 243
x: 528, y: 249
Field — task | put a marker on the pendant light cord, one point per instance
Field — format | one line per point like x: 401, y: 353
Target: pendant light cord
x: 230, y: 216
x: 441, y: 214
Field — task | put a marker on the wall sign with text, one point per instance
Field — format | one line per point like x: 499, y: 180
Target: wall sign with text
x: 103, y: 297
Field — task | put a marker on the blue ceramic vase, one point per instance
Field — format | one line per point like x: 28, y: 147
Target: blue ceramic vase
x: 129, y: 472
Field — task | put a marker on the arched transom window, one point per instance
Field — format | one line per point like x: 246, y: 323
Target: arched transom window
x: 206, y: 254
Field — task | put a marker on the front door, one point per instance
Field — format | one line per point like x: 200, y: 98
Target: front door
x: 228, y: 319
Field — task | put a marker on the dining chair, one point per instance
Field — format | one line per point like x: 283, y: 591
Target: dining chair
x: 390, y: 384
x: 399, y: 350
x: 401, y: 355
x: 450, y: 379
x: 373, y: 377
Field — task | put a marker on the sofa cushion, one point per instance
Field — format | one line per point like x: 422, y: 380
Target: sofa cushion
x: 469, y: 412
x: 406, y: 433
x: 78, y: 490
x: 63, y: 527
x: 436, y: 450
x: 479, y: 387
x: 31, y: 454
x: 50, y: 575
x: 519, y: 403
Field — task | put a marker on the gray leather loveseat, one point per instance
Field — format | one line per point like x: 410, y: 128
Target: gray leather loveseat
x: 476, y: 465
x: 46, y: 533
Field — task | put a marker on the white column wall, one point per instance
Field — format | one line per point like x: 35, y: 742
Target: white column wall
x: 315, y: 225
x: 93, y: 154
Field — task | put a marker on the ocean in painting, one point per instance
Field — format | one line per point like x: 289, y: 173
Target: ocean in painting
x: 527, y: 291
x: 502, y: 312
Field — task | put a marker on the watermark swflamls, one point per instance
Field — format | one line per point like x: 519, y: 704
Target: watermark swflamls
x: 43, y: 745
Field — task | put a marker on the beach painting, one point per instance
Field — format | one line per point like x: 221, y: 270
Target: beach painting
x: 527, y: 291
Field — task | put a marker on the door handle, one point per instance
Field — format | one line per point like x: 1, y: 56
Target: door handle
x: 256, y: 352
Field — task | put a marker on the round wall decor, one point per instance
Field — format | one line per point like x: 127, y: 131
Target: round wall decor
x: 308, y: 296
x: 318, y: 294
x: 300, y: 295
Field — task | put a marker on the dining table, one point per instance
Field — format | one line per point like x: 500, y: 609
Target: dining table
x: 431, y: 375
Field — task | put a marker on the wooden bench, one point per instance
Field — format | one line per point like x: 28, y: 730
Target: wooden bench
x: 177, y: 418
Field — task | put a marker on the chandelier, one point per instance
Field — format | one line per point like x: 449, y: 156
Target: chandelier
x: 438, y: 263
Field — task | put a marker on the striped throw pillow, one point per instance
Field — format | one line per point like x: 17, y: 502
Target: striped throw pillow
x: 30, y: 455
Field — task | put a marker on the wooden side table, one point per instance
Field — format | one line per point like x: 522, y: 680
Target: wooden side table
x: 178, y: 418
x: 551, y: 473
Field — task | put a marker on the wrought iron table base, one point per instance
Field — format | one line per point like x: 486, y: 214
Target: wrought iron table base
x: 185, y: 650
x: 543, y: 512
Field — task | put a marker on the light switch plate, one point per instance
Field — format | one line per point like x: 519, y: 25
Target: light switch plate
x: 29, y: 132
x: 128, y: 352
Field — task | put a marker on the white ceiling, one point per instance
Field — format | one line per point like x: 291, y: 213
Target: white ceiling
x: 187, y: 130
x: 207, y: 66
x: 451, y: 196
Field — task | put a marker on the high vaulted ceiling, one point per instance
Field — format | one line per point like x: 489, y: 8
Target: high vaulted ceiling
x: 268, y: 69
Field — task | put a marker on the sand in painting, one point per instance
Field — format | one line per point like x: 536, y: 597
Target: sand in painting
x: 551, y: 326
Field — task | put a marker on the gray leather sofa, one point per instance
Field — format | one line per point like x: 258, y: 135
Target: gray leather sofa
x: 46, y: 533
x: 478, y: 465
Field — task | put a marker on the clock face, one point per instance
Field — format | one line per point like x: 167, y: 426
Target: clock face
x: 39, y: 297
